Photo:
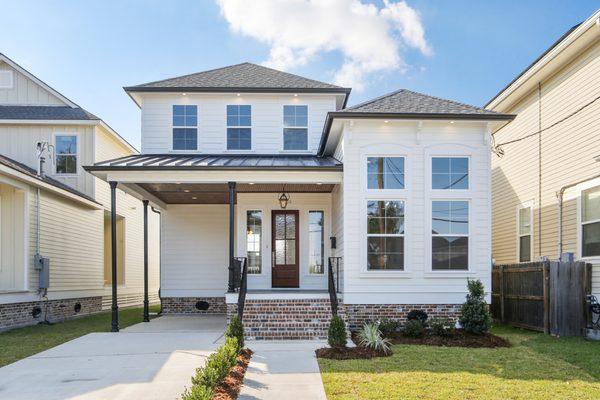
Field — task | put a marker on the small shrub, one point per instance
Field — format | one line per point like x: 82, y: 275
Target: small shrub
x: 370, y: 337
x: 442, y: 327
x: 336, y: 335
x: 388, y: 327
x: 475, y: 314
x: 215, y: 370
x: 235, y: 329
x: 413, y: 328
x: 419, y: 315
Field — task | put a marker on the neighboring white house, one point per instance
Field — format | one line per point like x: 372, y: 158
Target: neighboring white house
x: 62, y: 214
x: 247, y: 161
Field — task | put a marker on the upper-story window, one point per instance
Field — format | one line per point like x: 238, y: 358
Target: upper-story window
x: 66, y: 154
x: 450, y: 173
x: 295, y: 127
x: 185, y: 127
x: 385, y: 173
x: 239, y: 131
x: 590, y: 223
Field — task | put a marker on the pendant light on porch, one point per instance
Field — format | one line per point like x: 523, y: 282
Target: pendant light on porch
x: 283, y: 199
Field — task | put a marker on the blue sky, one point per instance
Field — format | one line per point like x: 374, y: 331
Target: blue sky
x: 89, y: 50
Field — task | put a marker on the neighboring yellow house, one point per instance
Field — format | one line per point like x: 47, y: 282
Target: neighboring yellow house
x: 62, y: 214
x: 546, y: 179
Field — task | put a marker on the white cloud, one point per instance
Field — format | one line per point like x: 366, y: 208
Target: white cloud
x: 370, y: 38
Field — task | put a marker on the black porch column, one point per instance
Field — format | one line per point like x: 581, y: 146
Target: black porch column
x: 146, y: 306
x: 113, y: 231
x: 231, y: 286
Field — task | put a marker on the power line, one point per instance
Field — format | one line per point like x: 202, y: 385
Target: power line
x: 498, y: 148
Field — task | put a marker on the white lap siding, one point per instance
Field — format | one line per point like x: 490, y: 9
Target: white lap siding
x: 417, y: 284
x: 195, y: 246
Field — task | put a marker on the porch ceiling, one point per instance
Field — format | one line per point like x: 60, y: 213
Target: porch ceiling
x: 218, y: 193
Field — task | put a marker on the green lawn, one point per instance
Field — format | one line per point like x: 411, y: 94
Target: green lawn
x: 536, y: 367
x: 23, y: 342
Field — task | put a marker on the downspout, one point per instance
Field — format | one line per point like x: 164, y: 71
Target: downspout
x: 560, y: 197
x: 539, y: 224
x: 160, y: 263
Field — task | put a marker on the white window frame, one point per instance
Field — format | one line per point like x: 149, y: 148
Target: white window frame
x: 283, y: 149
x: 404, y: 195
x: 386, y: 156
x: 227, y: 149
x: 432, y: 156
x: 522, y: 206
x: 77, y: 154
x: 323, y: 250
x: 452, y: 150
x: 467, y: 235
x: 594, y: 184
x: 173, y: 126
x: 11, y: 79
x: 262, y: 238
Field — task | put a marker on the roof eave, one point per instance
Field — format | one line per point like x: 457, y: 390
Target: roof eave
x: 96, y: 168
x: 135, y: 89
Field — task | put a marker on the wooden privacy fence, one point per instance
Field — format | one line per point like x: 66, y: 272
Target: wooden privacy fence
x: 548, y: 296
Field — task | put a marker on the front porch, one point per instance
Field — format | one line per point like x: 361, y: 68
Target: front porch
x: 274, y: 215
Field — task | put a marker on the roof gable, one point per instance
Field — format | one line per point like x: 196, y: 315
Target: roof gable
x: 245, y: 76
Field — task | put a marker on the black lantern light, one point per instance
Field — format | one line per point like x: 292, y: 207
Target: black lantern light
x: 284, y: 199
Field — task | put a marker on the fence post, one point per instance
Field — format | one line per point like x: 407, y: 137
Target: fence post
x: 501, y: 284
x: 546, y: 284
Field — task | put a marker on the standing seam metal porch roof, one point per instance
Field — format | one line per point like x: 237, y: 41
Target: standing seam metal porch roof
x: 218, y: 162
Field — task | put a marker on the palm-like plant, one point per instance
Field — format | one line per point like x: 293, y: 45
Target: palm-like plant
x: 370, y: 337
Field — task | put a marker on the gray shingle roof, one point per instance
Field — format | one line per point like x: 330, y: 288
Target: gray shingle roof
x: 220, y: 161
x: 45, y: 113
x: 408, y: 102
x: 20, y: 167
x: 236, y: 77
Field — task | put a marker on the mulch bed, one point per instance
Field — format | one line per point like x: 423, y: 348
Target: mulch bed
x: 349, y: 353
x: 460, y: 339
x: 230, y: 388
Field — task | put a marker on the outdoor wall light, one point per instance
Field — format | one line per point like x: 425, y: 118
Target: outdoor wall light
x: 283, y: 200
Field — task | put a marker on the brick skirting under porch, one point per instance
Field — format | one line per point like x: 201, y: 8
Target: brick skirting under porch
x: 187, y: 305
x: 13, y: 315
x: 356, y: 315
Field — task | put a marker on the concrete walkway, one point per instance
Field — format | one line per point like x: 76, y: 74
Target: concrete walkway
x: 283, y: 370
x: 152, y: 360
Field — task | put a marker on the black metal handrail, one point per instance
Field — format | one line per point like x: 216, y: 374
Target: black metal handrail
x: 243, y: 285
x: 333, y: 283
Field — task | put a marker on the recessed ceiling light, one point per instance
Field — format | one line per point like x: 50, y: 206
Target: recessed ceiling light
x: 386, y: 121
x: 451, y: 122
x: 238, y: 95
x: 295, y: 94
x: 194, y: 198
x: 319, y: 183
x: 186, y: 190
x: 251, y: 183
x: 185, y: 94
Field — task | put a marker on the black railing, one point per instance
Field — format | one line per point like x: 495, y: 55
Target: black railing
x: 333, y: 282
x: 240, y: 273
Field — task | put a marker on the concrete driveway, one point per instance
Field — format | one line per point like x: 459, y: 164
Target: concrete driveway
x: 152, y: 360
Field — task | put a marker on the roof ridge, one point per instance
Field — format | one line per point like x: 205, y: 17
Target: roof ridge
x: 186, y: 75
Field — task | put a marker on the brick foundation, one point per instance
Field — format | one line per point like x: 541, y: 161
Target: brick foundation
x: 285, y: 319
x: 187, y: 305
x: 13, y: 315
x: 356, y: 315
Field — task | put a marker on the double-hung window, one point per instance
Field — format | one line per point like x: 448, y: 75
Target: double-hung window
x: 450, y: 173
x: 450, y: 235
x: 385, y: 235
x: 525, y: 232
x: 254, y: 241
x: 66, y: 154
x: 185, y: 127
x: 239, y: 127
x: 385, y: 173
x: 295, y: 127
x: 590, y: 223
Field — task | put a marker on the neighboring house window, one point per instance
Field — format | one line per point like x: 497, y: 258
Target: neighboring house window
x: 525, y: 232
x: 254, y: 241
x: 185, y: 127
x: 450, y: 173
x: 590, y: 228
x: 239, y: 131
x: 66, y: 154
x: 450, y: 235
x: 385, y: 235
x: 295, y: 127
x: 316, y: 242
x: 385, y: 172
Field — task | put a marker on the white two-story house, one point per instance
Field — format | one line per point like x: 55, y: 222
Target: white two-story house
x: 60, y: 213
x: 389, y: 198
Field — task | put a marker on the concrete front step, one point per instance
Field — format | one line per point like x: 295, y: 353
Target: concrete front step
x: 268, y: 319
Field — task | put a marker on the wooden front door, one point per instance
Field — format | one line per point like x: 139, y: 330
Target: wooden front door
x: 285, y: 245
